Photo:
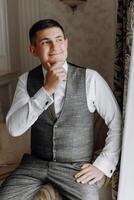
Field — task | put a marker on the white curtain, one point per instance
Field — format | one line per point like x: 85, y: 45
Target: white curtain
x: 126, y: 182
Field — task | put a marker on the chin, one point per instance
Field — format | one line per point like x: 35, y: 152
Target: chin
x: 52, y: 61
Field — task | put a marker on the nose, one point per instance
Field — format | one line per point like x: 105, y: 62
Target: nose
x: 54, y: 45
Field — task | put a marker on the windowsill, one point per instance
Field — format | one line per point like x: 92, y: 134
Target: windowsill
x: 7, y: 78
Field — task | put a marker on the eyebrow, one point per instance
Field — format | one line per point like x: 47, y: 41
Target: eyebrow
x: 46, y: 38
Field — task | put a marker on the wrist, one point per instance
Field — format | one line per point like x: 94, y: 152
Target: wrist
x: 48, y: 90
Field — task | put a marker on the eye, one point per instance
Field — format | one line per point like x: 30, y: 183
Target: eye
x: 60, y: 39
x: 42, y: 43
x: 45, y: 42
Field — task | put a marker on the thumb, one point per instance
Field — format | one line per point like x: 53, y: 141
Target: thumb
x: 48, y: 65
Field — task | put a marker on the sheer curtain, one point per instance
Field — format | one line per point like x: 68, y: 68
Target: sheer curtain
x: 125, y: 19
x: 126, y: 189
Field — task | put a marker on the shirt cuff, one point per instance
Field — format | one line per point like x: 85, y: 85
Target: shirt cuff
x: 42, y: 99
x: 105, y: 166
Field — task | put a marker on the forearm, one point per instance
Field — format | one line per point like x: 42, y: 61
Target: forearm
x: 106, y: 105
x: 24, y: 113
x: 108, y: 158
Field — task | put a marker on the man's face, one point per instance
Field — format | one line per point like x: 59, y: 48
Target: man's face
x: 50, y: 46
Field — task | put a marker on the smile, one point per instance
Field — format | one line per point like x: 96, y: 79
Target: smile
x: 55, y: 54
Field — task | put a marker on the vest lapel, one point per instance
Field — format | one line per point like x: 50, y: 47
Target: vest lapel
x: 51, y: 112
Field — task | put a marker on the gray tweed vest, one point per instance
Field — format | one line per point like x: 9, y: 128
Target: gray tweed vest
x: 68, y: 138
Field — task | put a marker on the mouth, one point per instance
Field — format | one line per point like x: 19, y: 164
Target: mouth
x: 55, y: 54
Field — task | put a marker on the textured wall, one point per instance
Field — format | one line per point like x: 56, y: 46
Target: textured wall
x: 14, y: 37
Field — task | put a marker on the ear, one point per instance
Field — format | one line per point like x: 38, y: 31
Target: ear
x: 33, y: 50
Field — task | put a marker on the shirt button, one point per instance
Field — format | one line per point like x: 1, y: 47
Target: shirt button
x: 111, y: 171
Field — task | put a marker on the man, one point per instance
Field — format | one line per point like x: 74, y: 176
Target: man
x: 58, y: 100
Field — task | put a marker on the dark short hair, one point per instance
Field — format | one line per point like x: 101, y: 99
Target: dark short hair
x: 40, y: 25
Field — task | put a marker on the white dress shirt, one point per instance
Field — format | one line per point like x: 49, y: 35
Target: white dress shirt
x: 25, y: 111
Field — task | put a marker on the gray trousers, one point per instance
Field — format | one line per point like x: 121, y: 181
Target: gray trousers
x: 32, y: 173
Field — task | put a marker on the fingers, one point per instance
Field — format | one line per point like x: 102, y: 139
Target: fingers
x: 84, y: 170
x: 88, y: 174
x: 58, y: 71
x: 59, y: 74
x: 55, y: 75
x: 48, y: 65
x: 85, y: 165
x: 85, y: 178
x: 58, y: 64
x: 93, y: 181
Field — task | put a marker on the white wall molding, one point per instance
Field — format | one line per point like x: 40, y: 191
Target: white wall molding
x: 4, y: 39
x: 29, y: 12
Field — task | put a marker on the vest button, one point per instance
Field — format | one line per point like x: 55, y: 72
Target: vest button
x: 55, y: 126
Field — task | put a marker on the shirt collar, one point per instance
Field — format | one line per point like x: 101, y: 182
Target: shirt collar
x: 65, y: 66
